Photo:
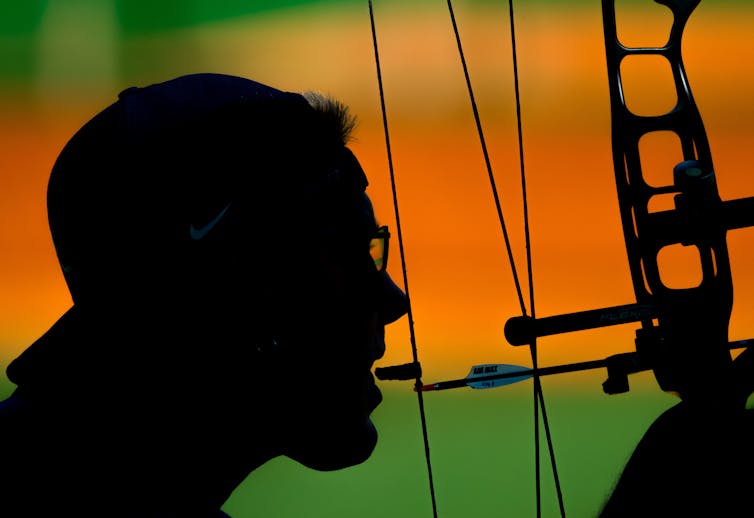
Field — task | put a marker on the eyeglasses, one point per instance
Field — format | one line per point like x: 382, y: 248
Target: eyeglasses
x: 378, y: 248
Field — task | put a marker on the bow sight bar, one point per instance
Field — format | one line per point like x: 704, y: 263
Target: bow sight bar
x: 523, y: 330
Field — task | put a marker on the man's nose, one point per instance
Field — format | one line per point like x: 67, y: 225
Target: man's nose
x: 392, y: 301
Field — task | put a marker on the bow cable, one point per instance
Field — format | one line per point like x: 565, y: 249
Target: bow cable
x: 527, y: 234
x: 418, y: 382
x: 539, y: 401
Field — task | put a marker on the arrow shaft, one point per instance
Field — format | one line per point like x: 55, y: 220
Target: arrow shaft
x: 542, y: 371
x: 555, y: 369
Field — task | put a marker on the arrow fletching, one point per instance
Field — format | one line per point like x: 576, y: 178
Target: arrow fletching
x: 494, y: 369
x: 485, y: 376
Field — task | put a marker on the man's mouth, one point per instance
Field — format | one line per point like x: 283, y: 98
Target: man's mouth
x: 372, y: 395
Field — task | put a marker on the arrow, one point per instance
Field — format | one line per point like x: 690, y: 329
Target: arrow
x: 493, y: 375
x: 481, y: 373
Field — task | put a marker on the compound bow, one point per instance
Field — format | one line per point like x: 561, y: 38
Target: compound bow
x: 683, y: 330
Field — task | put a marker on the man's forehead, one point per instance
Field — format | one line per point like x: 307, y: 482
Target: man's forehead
x: 347, y: 169
x: 349, y: 179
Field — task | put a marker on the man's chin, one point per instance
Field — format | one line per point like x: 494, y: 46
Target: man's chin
x: 337, y: 450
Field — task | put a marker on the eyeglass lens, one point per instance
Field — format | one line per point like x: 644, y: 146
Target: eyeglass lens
x: 378, y: 247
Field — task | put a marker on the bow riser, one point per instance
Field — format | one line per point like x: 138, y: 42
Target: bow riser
x: 689, y: 335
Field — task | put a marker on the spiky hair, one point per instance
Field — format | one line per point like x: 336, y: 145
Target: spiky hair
x: 334, y: 114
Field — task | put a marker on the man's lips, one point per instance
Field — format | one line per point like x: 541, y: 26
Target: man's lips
x: 372, y: 395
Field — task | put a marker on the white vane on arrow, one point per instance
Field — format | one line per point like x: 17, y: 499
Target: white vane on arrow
x: 491, y: 369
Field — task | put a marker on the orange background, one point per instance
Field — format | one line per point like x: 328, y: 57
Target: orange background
x: 459, y: 280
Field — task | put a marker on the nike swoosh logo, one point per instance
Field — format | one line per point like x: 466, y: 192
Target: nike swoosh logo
x: 199, y: 233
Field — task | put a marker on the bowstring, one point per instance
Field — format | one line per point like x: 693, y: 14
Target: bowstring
x: 538, y: 393
x: 414, y: 349
x: 538, y: 396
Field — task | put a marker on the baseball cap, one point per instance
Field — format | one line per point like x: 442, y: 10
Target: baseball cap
x: 175, y: 171
x: 166, y: 159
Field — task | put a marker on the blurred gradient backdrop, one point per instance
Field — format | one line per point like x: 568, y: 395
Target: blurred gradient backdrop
x: 63, y: 61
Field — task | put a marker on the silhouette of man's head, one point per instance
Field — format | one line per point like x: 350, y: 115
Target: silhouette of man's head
x: 215, y: 237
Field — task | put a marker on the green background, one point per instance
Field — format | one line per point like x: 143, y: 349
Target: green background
x: 481, y: 441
